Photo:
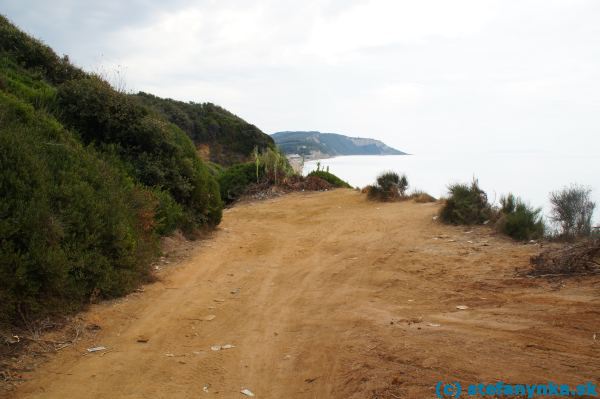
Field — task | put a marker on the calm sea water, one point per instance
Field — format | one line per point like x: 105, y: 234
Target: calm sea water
x: 531, y: 176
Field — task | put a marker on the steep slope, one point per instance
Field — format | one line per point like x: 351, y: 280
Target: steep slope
x: 219, y: 135
x: 90, y: 178
x: 72, y: 221
x: 321, y: 145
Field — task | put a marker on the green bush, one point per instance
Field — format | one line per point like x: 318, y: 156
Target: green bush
x: 33, y: 54
x: 230, y: 138
x: 236, y: 179
x: 466, y: 204
x: 269, y: 167
x: 330, y: 178
x: 169, y: 214
x: 90, y: 177
x: 72, y: 226
x: 159, y: 154
x: 389, y: 186
x: 519, y: 220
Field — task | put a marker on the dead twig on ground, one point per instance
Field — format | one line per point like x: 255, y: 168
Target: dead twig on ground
x: 582, y: 258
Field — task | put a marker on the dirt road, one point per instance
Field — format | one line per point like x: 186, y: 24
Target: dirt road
x: 326, y: 295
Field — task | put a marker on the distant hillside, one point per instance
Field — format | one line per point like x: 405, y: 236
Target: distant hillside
x: 219, y: 135
x: 313, y: 145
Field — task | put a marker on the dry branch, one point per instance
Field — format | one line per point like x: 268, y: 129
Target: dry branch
x: 576, y: 259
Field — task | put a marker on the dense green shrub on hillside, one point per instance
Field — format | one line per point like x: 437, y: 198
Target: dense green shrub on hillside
x: 330, y: 178
x: 159, y: 153
x: 467, y: 204
x: 32, y: 90
x: 236, y: 179
x: 519, y: 220
x: 33, y: 54
x: 72, y: 225
x: 169, y: 214
x: 269, y: 167
x: 389, y: 186
x: 89, y: 179
x: 230, y: 138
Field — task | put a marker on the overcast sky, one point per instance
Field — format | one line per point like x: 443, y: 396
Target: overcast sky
x: 425, y: 76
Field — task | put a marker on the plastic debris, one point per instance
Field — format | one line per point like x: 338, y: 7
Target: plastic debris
x: 142, y: 339
x: 433, y: 324
x: 210, y: 317
x: 217, y: 348
x: 462, y: 307
x: 15, y: 339
x: 205, y: 388
x: 96, y: 349
x: 247, y: 392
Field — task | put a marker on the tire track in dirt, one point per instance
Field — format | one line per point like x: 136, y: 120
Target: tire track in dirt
x: 327, y: 295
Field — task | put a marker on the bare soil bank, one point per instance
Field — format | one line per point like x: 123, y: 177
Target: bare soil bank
x: 326, y: 295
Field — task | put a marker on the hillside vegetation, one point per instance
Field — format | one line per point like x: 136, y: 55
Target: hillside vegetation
x: 90, y: 178
x: 226, y: 138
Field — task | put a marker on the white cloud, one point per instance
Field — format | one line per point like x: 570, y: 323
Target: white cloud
x: 428, y: 75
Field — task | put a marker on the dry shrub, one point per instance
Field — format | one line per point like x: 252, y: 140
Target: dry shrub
x: 390, y: 186
x: 310, y: 183
x: 264, y: 190
x: 313, y: 183
x: 422, y: 198
x: 572, y: 211
x: 575, y: 259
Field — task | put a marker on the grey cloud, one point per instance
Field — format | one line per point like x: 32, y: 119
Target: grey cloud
x: 488, y: 74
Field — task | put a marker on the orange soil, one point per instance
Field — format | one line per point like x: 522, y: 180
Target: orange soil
x: 334, y: 297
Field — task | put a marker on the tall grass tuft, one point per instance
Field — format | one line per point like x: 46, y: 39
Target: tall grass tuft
x: 519, y: 220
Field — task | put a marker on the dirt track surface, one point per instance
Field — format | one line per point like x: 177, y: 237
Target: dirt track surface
x: 329, y: 296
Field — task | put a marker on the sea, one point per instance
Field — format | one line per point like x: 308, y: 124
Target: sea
x: 531, y: 176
